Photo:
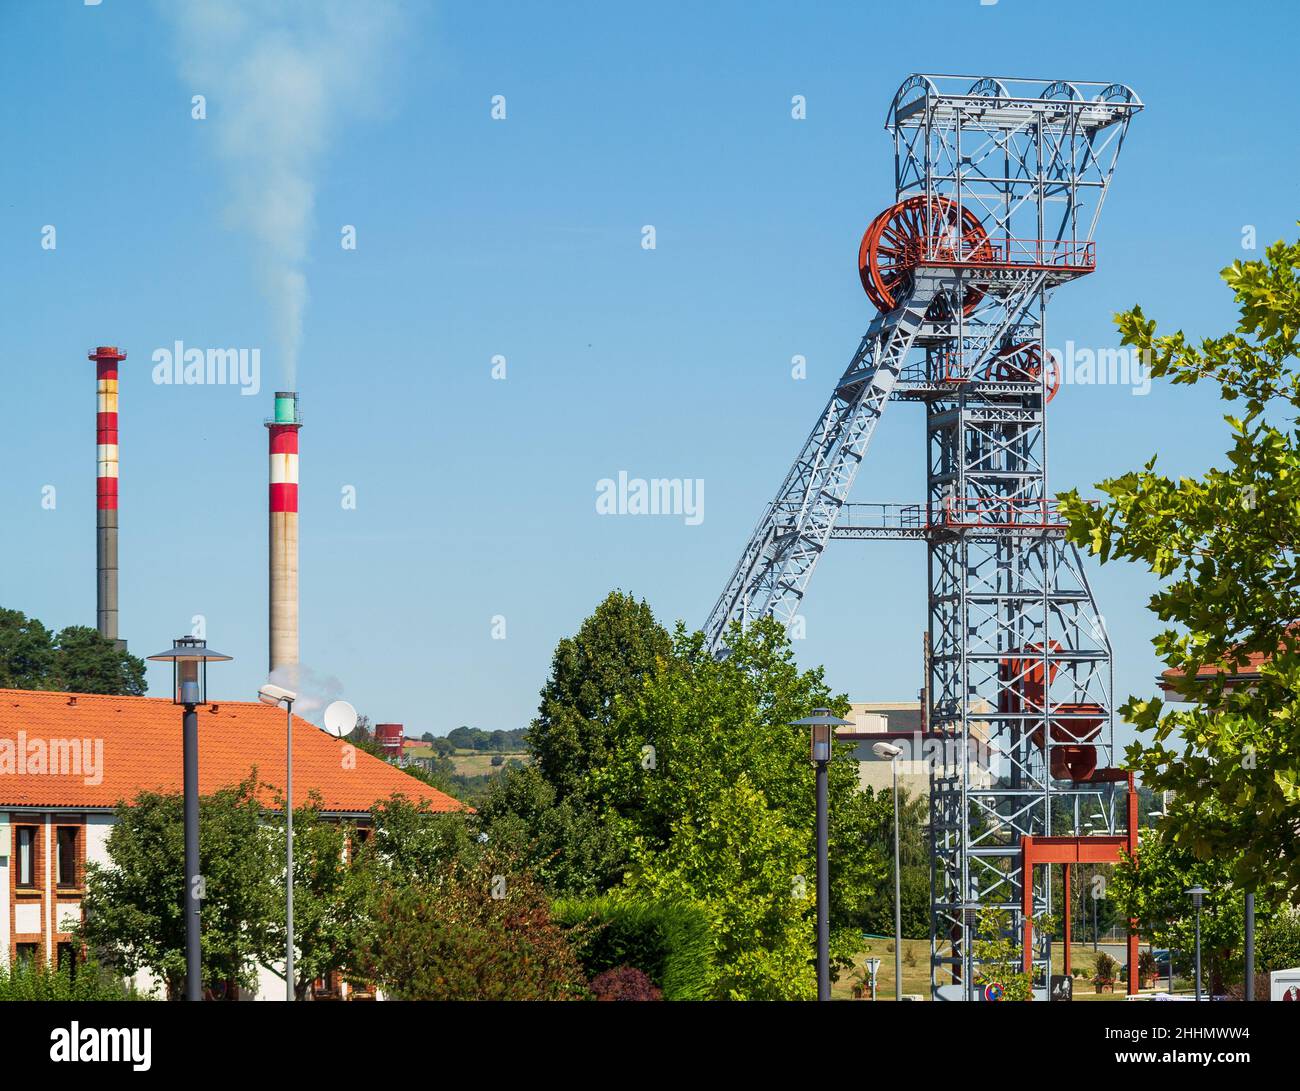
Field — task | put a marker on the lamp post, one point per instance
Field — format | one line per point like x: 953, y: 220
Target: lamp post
x: 278, y: 695
x: 1198, y: 892
x: 822, y: 724
x: 890, y: 751
x: 189, y: 657
x: 1094, y: 825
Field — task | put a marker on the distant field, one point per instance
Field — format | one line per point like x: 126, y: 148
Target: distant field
x: 476, y: 763
x: 916, y: 977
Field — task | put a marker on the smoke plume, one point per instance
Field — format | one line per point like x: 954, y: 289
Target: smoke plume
x: 280, y: 77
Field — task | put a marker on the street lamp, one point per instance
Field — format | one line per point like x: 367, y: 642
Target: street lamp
x: 278, y: 695
x: 890, y: 751
x: 822, y: 724
x: 189, y: 657
x: 1197, y: 892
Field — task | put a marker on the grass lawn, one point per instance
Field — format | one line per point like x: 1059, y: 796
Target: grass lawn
x: 916, y: 971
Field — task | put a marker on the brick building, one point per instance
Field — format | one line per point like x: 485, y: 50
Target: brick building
x: 67, y: 760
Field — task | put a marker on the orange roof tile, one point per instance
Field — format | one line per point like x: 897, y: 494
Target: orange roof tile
x: 1232, y: 672
x: 141, y: 740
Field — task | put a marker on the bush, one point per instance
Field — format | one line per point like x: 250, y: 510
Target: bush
x: 1104, y: 968
x: 671, y: 942
x: 625, y: 983
x: 480, y: 933
x: 86, y: 981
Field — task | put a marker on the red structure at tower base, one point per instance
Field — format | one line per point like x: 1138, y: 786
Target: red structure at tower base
x: 1069, y: 851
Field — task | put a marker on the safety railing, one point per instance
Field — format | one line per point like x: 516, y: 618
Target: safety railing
x: 965, y: 251
x: 999, y: 512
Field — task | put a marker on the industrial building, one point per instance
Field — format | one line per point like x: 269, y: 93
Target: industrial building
x: 900, y: 723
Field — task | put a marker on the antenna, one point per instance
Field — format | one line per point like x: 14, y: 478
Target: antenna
x: 340, y: 719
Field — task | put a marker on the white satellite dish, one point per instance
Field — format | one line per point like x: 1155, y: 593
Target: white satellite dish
x: 340, y: 719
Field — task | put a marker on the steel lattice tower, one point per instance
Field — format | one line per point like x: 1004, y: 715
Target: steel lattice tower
x: 999, y: 185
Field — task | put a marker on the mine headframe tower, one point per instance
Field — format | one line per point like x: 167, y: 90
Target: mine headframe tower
x: 999, y: 184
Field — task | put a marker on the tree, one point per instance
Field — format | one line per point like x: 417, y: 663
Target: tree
x: 998, y: 956
x: 410, y: 842
x: 748, y: 868
x: 714, y: 793
x: 78, y: 660
x: 613, y: 650
x: 134, y: 907
x: 1223, y: 546
x: 26, y: 651
x: 573, y: 849
x: 914, y: 851
x: 85, y: 662
x: 332, y: 887
x: 1154, y: 890
x: 476, y: 930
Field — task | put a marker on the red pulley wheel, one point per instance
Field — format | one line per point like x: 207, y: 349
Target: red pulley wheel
x: 895, y: 242
x: 1023, y: 363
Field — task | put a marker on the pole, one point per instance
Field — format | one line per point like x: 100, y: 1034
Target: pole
x: 1093, y: 892
x: 288, y: 854
x: 898, y: 898
x: 1198, y: 953
x: 823, y: 891
x: 193, y: 901
x: 1250, y: 947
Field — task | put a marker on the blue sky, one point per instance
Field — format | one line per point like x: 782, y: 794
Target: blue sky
x: 522, y: 238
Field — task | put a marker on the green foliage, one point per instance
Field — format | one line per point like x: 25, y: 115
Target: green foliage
x: 1104, y: 968
x: 614, y: 648
x: 669, y: 941
x: 665, y: 775
x: 716, y: 794
x: 745, y: 866
x: 475, y: 738
x: 410, y: 843
x: 332, y: 887
x: 1222, y: 547
x: 573, y: 849
x: 477, y: 930
x: 77, y: 660
x: 913, y: 815
x: 1147, y: 967
x: 1154, y: 889
x: 998, y: 956
x: 26, y: 651
x: 86, y: 981
x: 442, y: 775
x: 134, y: 906
x: 1277, y: 946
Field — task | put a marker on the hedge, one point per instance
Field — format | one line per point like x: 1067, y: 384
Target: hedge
x: 37, y: 981
x: 670, y: 941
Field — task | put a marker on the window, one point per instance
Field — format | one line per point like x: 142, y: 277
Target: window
x: 68, y: 955
x: 67, y: 859
x: 26, y: 838
x: 28, y: 953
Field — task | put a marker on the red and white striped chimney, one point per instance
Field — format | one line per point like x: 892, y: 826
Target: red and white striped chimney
x: 283, y: 518
x: 106, y: 358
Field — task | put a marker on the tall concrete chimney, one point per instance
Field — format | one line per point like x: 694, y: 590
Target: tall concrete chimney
x: 283, y: 614
x: 106, y: 358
